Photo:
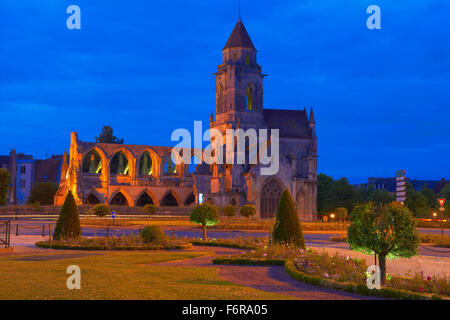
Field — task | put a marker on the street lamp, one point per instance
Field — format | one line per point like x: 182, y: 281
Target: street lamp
x: 332, y: 216
x: 434, y: 214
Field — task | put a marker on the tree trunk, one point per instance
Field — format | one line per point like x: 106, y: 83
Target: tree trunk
x: 204, y: 232
x: 382, y: 262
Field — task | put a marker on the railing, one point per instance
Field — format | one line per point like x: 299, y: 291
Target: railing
x: 5, y: 233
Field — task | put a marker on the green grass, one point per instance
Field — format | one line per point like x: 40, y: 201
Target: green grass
x: 120, y: 275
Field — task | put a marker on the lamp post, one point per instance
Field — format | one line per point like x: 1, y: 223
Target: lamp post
x: 441, y: 210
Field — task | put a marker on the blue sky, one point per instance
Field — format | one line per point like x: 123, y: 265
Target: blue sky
x: 381, y: 97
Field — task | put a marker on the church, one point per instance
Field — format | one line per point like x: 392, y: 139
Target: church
x: 134, y: 175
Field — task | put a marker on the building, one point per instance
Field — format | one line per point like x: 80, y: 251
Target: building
x: 389, y: 184
x: 25, y: 171
x: 134, y: 175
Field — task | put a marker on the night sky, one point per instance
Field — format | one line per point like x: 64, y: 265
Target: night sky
x: 381, y: 97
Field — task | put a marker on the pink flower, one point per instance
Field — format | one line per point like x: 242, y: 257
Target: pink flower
x: 420, y: 289
x: 326, y: 275
x: 429, y: 278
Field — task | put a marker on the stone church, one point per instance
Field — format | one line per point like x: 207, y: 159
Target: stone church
x: 134, y: 175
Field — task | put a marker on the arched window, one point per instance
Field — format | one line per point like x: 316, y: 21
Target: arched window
x: 92, y: 163
x: 119, y: 200
x: 169, y: 200
x: 144, y: 199
x: 249, y: 98
x: 190, y: 200
x: 119, y: 164
x: 270, y: 198
x: 92, y: 199
x: 145, y: 165
x: 169, y: 166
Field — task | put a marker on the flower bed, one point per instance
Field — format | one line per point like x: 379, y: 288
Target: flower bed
x: 433, y: 239
x: 130, y: 242
x: 250, y: 243
x: 338, y: 272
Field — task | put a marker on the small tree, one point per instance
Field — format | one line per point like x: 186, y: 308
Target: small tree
x: 5, y: 180
x: 149, y: 209
x: 100, y: 210
x: 68, y: 224
x: 206, y: 215
x: 152, y: 234
x: 42, y: 192
x: 287, y: 228
x: 341, y: 213
x: 229, y: 211
x: 107, y: 136
x: 247, y: 211
x: 389, y: 231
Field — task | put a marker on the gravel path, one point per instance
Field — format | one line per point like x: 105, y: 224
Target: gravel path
x: 265, y: 278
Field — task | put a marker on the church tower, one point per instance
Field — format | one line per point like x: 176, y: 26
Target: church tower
x: 239, y: 84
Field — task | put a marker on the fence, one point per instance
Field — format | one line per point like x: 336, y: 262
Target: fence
x: 5, y: 233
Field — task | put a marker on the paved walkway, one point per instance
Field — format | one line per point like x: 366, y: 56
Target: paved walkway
x: 266, y: 278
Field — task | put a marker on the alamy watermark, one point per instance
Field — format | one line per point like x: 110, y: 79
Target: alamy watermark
x: 236, y: 146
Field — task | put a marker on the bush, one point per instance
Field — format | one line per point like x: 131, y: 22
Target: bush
x: 100, y: 210
x: 287, y: 227
x: 152, y: 234
x: 229, y: 211
x: 341, y: 213
x: 149, y: 208
x: 42, y: 192
x: 247, y: 211
x: 5, y: 180
x: 68, y: 224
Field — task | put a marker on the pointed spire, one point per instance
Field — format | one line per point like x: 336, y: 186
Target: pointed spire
x: 239, y: 37
x: 211, y: 117
x: 312, y: 120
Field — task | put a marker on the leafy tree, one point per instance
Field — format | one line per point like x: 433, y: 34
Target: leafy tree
x: 68, y: 224
x: 341, y: 213
x: 101, y: 210
x: 42, y: 192
x: 107, y: 136
x: 333, y: 194
x: 229, y: 211
x: 152, y: 234
x: 429, y: 196
x: 206, y: 215
x: 389, y: 231
x: 345, y: 195
x: 324, y: 193
x: 415, y: 201
x: 287, y: 228
x: 247, y: 211
x: 381, y: 197
x: 5, y: 180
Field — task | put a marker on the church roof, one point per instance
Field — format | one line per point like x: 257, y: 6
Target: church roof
x: 239, y: 37
x: 291, y: 123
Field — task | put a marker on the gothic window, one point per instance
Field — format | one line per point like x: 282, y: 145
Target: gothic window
x: 92, y: 199
x: 190, y: 200
x: 249, y: 98
x: 119, y: 164
x: 169, y: 200
x: 270, y: 198
x: 219, y: 98
x: 144, y: 199
x: 145, y: 165
x: 247, y: 60
x: 169, y: 166
x: 119, y: 200
x: 92, y: 163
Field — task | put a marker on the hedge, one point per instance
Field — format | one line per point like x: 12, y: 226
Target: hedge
x: 222, y: 244
x: 46, y: 245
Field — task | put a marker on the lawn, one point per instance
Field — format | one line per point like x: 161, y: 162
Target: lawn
x: 119, y: 275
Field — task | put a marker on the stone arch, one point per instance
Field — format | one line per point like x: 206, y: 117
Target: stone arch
x: 270, y: 197
x: 167, y: 159
x: 250, y: 94
x: 121, y: 198
x: 302, y: 203
x: 170, y: 199
x: 93, y: 198
x: 93, y: 162
x: 146, y: 197
x: 190, y: 199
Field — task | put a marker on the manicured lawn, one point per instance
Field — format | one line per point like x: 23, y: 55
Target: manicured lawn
x: 119, y: 275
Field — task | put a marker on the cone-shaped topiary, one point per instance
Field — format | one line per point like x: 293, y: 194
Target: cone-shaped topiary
x: 287, y: 228
x: 68, y: 225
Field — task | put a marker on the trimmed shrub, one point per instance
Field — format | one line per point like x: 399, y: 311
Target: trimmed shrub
x: 247, y: 211
x: 341, y: 213
x: 287, y: 227
x: 152, y: 234
x: 100, y: 210
x: 68, y: 224
x: 149, y: 209
x: 229, y: 211
x: 206, y: 215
